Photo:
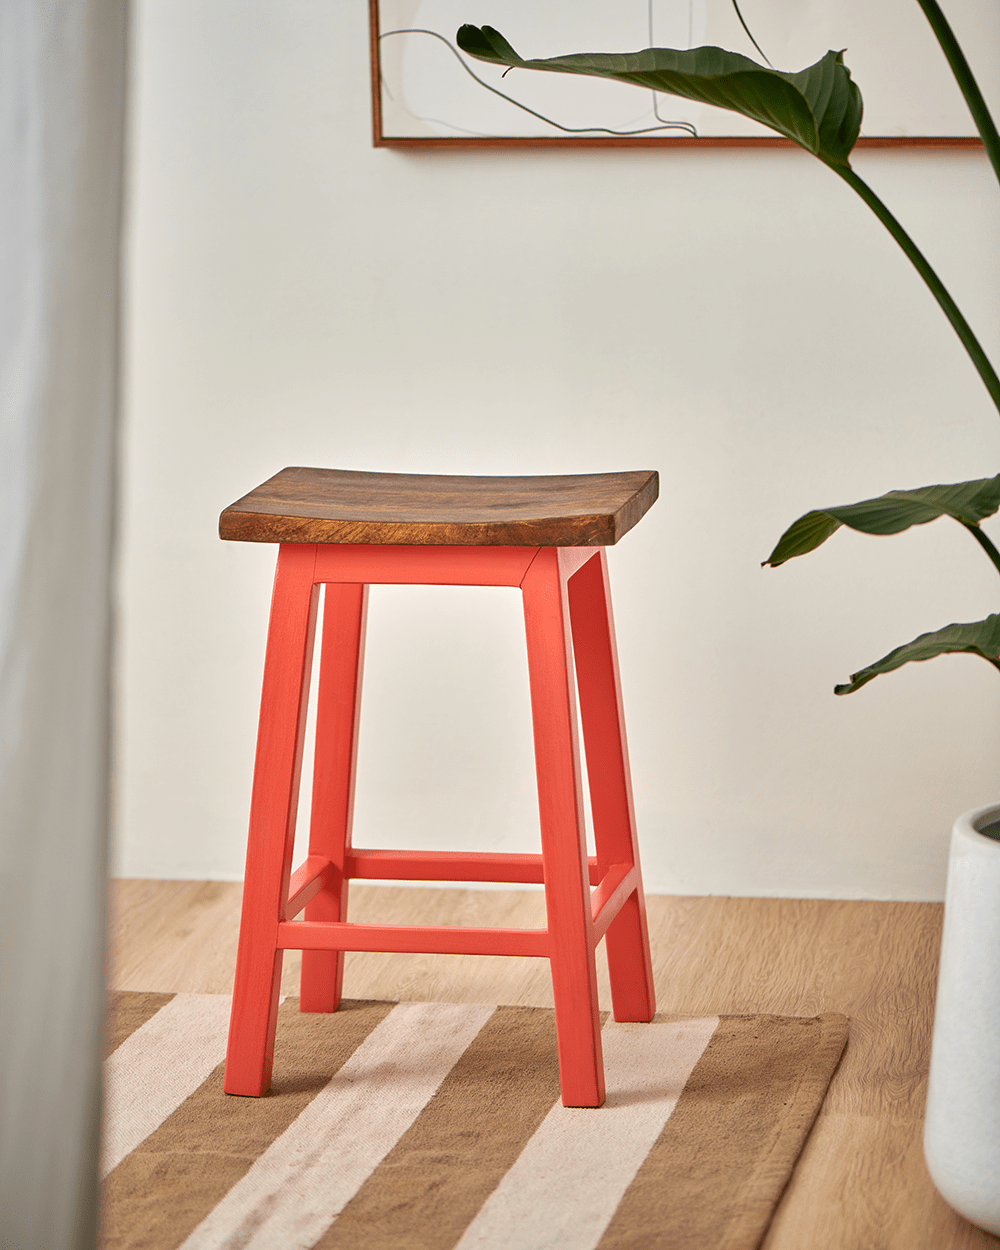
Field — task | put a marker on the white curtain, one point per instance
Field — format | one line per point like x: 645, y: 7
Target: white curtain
x: 62, y: 85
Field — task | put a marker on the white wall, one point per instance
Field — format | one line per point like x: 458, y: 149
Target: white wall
x: 735, y: 319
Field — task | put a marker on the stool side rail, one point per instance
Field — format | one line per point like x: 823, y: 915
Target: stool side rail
x: 316, y: 872
x: 609, y: 898
x: 496, y: 867
x: 335, y: 935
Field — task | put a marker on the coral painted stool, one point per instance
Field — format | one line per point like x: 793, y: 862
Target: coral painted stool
x: 346, y: 531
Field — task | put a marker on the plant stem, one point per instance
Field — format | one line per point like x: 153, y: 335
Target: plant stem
x: 963, y: 76
x: 984, y: 542
x: 937, y: 287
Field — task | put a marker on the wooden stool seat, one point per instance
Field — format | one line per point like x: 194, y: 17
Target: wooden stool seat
x: 339, y: 506
x: 343, y: 532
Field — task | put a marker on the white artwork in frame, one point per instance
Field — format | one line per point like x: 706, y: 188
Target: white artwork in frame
x: 426, y: 92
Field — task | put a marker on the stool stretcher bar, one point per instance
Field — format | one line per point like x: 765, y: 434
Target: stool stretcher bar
x: 334, y: 935
x: 606, y: 901
x: 316, y: 872
x: 389, y: 865
x: 611, y: 895
x: 498, y: 866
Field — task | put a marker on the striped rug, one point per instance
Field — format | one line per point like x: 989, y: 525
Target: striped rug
x: 431, y: 1126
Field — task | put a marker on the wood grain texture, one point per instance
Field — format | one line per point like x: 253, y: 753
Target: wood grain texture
x: 860, y: 1184
x: 302, y: 505
x: 563, y: 831
x: 284, y: 704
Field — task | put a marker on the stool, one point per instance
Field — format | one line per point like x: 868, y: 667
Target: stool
x: 346, y: 531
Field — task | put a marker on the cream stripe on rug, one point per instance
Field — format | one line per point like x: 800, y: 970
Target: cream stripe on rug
x: 159, y: 1194
x: 157, y: 1067
x: 428, y: 1189
x: 569, y: 1179
x: 294, y: 1191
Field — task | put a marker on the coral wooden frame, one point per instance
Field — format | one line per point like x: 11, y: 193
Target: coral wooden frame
x: 568, y: 624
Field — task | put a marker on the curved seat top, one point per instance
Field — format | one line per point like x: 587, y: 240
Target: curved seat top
x: 300, y: 505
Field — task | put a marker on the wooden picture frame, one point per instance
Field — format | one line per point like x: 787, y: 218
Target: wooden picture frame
x: 935, y: 105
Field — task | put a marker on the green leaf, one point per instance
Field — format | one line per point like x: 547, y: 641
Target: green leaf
x: 818, y: 108
x: 486, y: 44
x: 966, y: 81
x: 968, y: 502
x: 975, y: 637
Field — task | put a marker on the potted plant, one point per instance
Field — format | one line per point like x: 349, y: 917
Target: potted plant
x: 820, y: 109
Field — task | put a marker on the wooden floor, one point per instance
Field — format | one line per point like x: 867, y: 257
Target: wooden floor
x: 860, y: 1184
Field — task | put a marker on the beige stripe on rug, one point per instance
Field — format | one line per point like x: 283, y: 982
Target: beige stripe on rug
x: 299, y: 1185
x: 428, y: 1127
x: 160, y: 1065
x: 162, y: 1191
x: 570, y: 1177
x: 721, y: 1164
x: 431, y: 1185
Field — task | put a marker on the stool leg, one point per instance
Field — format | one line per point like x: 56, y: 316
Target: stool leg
x: 603, y: 721
x: 338, y: 710
x: 564, y: 845
x: 283, y: 707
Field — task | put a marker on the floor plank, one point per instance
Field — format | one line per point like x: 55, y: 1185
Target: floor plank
x: 860, y: 1184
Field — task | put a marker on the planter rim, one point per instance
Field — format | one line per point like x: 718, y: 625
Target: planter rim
x: 967, y: 827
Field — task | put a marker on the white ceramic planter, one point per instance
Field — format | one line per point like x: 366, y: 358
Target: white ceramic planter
x: 962, y: 1131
